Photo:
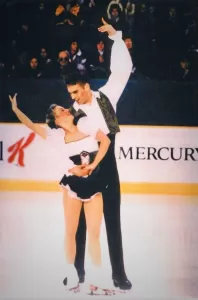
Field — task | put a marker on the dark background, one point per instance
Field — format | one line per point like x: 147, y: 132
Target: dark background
x: 150, y: 100
x: 142, y: 102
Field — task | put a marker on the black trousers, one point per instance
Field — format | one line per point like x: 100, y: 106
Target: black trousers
x: 111, y: 199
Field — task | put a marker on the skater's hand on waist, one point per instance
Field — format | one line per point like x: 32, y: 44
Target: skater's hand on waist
x: 90, y: 168
x: 79, y: 171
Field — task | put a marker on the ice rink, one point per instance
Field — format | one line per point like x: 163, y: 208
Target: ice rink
x: 160, y: 242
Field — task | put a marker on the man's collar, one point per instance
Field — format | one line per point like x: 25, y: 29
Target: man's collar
x: 95, y: 94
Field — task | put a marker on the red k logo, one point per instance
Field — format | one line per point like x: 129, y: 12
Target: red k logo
x: 18, y: 149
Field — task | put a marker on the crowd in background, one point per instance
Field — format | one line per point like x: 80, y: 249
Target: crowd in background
x: 50, y: 39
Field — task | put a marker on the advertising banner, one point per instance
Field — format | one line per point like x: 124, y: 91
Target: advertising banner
x: 145, y: 156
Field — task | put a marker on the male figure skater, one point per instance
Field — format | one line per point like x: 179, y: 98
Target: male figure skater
x: 99, y: 107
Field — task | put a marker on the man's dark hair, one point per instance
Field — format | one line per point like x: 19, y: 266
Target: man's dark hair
x: 50, y: 118
x: 77, y: 78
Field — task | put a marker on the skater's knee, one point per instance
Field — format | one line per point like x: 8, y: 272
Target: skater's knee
x: 70, y: 233
x: 94, y: 233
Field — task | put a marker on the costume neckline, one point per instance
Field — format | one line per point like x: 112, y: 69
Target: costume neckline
x: 66, y: 143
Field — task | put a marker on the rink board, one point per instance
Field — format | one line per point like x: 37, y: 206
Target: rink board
x: 151, y: 160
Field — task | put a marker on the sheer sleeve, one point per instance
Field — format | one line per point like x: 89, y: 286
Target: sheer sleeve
x: 55, y: 137
x: 85, y: 127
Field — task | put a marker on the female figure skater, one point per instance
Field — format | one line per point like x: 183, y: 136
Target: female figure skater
x: 79, y: 151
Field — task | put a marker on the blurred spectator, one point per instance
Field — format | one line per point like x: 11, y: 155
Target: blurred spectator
x: 33, y: 69
x: 185, y: 72
x: 46, y: 64
x: 130, y: 14
x: 44, y: 57
x: 116, y: 16
x: 64, y: 66
x: 69, y: 23
x: 68, y: 17
x: 100, y: 60
x: 163, y: 30
x: 77, y: 57
x: 129, y: 43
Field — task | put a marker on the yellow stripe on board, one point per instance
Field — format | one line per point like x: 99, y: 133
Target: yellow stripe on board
x: 125, y: 126
x: 183, y: 189
x: 179, y: 189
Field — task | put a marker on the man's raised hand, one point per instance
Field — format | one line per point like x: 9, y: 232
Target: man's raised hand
x: 107, y: 28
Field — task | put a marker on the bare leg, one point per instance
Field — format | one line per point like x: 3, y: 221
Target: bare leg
x: 80, y: 246
x: 72, y: 208
x: 93, y: 213
x: 95, y: 279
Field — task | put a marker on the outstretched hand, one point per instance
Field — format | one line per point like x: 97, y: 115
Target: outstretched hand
x: 13, y: 101
x: 107, y: 28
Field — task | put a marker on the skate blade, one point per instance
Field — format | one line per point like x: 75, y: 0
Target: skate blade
x: 124, y: 292
x: 74, y: 290
x: 97, y: 291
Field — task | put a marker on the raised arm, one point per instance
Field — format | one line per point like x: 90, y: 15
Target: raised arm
x: 25, y: 120
x: 121, y: 65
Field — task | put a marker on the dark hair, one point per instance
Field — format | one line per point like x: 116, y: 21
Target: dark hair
x: 115, y: 6
x: 76, y: 78
x: 50, y: 118
x: 100, y: 39
x: 127, y: 36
